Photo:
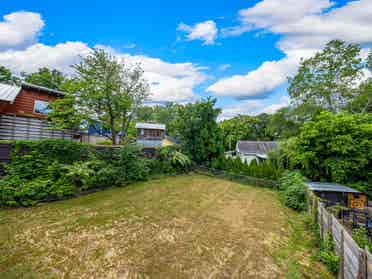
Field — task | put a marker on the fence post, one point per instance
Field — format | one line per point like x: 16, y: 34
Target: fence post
x: 342, y: 257
x: 362, y: 273
x: 321, y: 223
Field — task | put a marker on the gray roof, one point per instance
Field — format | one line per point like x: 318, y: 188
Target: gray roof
x: 260, y: 148
x: 155, y: 126
x: 330, y: 187
x: 9, y: 92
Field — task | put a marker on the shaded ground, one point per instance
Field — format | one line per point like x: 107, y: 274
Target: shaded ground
x: 189, y: 226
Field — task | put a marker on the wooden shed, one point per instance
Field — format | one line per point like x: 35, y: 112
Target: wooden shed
x: 339, y: 194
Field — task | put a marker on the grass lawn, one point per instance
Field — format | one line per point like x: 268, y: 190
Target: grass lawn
x: 189, y: 226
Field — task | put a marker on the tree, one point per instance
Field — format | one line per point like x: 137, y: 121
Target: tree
x: 199, y: 132
x: 105, y: 92
x: 329, y: 79
x: 52, y: 79
x: 6, y: 75
x: 335, y: 147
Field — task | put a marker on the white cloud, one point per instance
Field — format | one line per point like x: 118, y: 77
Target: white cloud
x: 19, y: 29
x: 252, y: 107
x: 60, y: 57
x: 264, y: 79
x: 305, y: 26
x: 205, y: 31
x: 168, y: 81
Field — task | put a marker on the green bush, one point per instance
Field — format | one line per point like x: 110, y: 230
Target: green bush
x: 293, y: 188
x: 130, y: 163
x: 52, y: 169
x: 264, y: 170
x: 360, y: 237
x: 328, y: 256
x: 170, y: 160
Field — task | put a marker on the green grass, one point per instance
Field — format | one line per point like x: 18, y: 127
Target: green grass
x: 189, y: 226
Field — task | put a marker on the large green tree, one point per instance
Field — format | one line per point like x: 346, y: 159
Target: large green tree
x: 52, y: 79
x: 329, y: 79
x: 198, y: 130
x: 104, y: 91
x: 334, y: 147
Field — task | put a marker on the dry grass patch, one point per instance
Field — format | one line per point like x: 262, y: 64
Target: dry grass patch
x: 189, y: 226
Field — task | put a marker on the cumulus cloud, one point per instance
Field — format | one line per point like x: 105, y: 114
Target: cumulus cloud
x: 168, y: 81
x: 305, y: 26
x: 60, y: 57
x: 252, y: 107
x: 19, y: 29
x: 205, y: 31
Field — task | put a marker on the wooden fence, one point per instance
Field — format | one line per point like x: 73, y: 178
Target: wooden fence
x: 355, y: 262
x: 28, y: 128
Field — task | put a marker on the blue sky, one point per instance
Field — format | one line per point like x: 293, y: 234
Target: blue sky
x: 237, y: 51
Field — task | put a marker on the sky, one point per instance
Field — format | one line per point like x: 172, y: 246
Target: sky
x: 240, y: 52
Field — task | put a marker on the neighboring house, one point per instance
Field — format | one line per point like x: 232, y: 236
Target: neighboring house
x: 150, y: 135
x: 252, y: 150
x: 23, y: 112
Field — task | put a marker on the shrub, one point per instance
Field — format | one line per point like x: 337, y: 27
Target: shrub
x: 170, y: 160
x: 51, y: 169
x: 327, y: 254
x: 293, y: 188
x: 130, y: 164
x: 265, y: 169
x: 360, y: 237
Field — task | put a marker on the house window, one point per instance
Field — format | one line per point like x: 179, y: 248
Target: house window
x: 41, y: 107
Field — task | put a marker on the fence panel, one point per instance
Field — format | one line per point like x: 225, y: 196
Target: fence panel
x: 26, y: 128
x: 369, y: 264
x: 352, y: 254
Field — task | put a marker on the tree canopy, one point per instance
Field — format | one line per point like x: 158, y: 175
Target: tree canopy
x: 198, y: 130
x: 52, y: 79
x: 104, y: 91
x: 334, y: 147
x: 329, y: 79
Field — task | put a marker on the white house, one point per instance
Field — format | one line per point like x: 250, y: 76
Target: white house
x: 253, y: 150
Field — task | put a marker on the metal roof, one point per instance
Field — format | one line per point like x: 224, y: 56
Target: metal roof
x: 155, y: 126
x: 255, y: 147
x: 9, y: 92
x: 330, y: 187
x: 42, y: 88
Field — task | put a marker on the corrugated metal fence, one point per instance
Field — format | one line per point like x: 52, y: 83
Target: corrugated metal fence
x: 27, y: 128
x: 355, y: 262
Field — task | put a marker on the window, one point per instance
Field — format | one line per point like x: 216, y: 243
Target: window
x: 41, y: 107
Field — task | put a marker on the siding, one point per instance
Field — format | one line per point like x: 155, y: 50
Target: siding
x: 24, y: 103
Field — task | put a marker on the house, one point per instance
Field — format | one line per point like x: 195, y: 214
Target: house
x: 253, y: 150
x: 23, y: 112
x: 334, y: 193
x: 150, y: 135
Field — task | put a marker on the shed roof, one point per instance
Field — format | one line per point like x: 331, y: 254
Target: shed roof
x: 155, y: 126
x: 260, y: 148
x: 9, y: 92
x: 330, y: 187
